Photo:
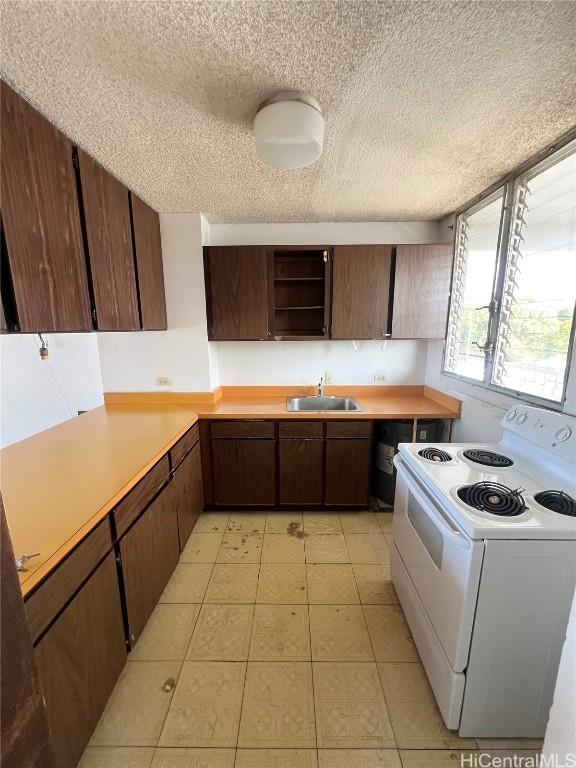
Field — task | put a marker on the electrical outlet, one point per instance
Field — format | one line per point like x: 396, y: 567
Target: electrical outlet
x: 379, y: 377
x: 163, y: 381
x: 327, y: 377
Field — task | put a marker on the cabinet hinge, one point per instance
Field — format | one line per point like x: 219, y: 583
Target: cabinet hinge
x: 75, y: 161
x: 94, y: 315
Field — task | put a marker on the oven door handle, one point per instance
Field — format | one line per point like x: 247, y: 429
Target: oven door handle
x: 426, y: 501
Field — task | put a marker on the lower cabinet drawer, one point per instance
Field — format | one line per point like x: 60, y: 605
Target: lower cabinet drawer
x: 290, y: 428
x: 52, y: 595
x: 184, y: 445
x: 348, y: 429
x: 139, y: 497
x: 237, y: 429
x: 79, y: 660
x: 149, y: 554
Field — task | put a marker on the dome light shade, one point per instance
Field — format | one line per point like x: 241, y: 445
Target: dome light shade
x: 289, y: 131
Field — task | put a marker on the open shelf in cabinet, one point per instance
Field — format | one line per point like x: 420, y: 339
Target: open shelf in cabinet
x: 300, y: 292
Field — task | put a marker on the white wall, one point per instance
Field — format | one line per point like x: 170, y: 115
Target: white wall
x: 38, y: 394
x: 287, y: 362
x: 131, y: 362
x: 327, y: 233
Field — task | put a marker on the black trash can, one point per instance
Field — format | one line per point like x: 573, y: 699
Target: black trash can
x: 388, y: 435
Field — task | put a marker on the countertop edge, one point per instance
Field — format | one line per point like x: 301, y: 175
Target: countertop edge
x: 31, y: 582
x: 431, y: 404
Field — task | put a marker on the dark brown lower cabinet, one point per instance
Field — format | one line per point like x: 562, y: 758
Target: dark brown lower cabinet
x: 79, y: 660
x: 244, y: 471
x: 347, y: 471
x: 187, y: 493
x: 313, y: 464
x: 149, y: 553
x: 300, y: 471
x: 24, y: 738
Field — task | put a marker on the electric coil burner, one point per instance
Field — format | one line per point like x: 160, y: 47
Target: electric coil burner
x: 557, y: 501
x: 494, y: 498
x: 487, y: 458
x: 434, y: 454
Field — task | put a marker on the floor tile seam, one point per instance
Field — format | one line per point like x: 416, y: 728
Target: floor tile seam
x: 241, y: 707
x: 312, y: 681
x: 165, y: 718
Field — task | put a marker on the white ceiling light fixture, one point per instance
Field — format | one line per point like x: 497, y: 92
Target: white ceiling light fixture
x: 289, y: 130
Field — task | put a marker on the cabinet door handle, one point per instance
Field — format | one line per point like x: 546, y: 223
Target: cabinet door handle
x: 21, y: 560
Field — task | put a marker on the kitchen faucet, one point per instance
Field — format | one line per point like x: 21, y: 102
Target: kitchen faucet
x: 321, y: 387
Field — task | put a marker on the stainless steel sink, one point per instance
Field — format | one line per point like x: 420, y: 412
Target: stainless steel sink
x: 318, y: 404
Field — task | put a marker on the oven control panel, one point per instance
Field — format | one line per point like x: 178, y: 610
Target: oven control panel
x: 550, y: 430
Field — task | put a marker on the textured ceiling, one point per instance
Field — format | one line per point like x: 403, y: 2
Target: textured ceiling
x: 426, y: 103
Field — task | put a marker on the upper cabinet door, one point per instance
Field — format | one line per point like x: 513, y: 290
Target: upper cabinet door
x: 107, y: 215
x: 148, y: 247
x: 42, y: 222
x: 361, y: 291
x: 237, y: 295
x: 421, y: 291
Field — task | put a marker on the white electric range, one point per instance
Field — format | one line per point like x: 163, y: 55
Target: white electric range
x: 484, y: 564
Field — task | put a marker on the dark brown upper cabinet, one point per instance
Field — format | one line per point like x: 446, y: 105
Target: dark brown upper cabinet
x: 107, y: 215
x: 361, y: 291
x: 148, y: 249
x: 236, y: 290
x: 421, y: 291
x: 299, y: 292
x: 79, y: 251
x: 41, y: 219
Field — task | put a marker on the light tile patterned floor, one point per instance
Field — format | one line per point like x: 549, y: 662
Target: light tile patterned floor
x: 279, y: 643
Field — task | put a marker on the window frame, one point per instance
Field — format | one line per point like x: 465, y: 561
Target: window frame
x: 554, y: 154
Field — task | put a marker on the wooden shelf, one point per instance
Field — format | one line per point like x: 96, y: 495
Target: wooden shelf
x: 298, y: 279
x: 300, y: 335
x: 300, y: 294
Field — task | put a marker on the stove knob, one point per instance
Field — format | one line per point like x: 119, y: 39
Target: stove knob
x: 511, y: 415
x: 522, y: 418
x: 563, y: 434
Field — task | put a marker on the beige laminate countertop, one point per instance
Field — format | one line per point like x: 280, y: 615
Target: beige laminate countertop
x: 58, y: 484
x: 408, y: 407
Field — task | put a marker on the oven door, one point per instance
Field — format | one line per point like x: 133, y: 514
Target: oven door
x: 442, y: 562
